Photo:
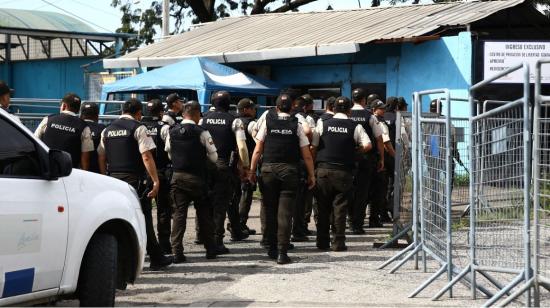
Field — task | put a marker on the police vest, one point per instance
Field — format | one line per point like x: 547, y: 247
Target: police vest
x: 362, y: 117
x: 325, y: 116
x: 281, y: 144
x: 154, y: 128
x: 389, y: 119
x: 96, y: 130
x: 250, y: 143
x: 338, y: 142
x: 122, y: 148
x: 188, y: 154
x: 64, y: 132
x: 220, y: 124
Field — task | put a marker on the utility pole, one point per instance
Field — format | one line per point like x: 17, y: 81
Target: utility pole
x: 359, y: 1
x: 165, y: 18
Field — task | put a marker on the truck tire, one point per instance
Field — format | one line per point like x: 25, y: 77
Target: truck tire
x: 97, y: 280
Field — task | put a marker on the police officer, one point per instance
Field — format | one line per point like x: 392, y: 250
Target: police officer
x: 339, y: 137
x: 158, y: 131
x: 379, y: 206
x: 303, y: 195
x: 370, y: 99
x: 89, y: 112
x: 175, y: 106
x: 282, y: 142
x: 247, y: 113
x: 125, y: 153
x: 67, y: 132
x: 311, y: 116
x: 312, y: 206
x: 367, y: 163
x: 230, y: 138
x: 191, y: 147
x: 5, y: 95
x: 389, y: 119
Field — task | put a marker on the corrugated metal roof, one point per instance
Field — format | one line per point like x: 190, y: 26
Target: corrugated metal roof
x: 40, y: 20
x: 287, y: 35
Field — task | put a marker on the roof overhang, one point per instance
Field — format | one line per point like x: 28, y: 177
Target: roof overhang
x: 243, y: 56
x: 100, y: 37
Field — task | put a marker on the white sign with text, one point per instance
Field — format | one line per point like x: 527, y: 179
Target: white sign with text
x: 499, y: 56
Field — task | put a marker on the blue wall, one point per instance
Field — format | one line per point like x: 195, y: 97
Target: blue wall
x: 46, y: 78
x: 405, y: 68
x: 446, y: 63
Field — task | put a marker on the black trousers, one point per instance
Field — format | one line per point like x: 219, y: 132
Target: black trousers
x: 247, y: 191
x: 363, y: 177
x: 298, y: 219
x: 184, y: 189
x: 334, y: 191
x: 164, y: 208
x: 378, y: 202
x: 311, y: 207
x: 139, y: 183
x: 389, y: 162
x: 233, y: 211
x: 280, y: 182
x: 221, y: 192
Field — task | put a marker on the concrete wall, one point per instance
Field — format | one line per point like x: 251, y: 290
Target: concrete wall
x: 46, y: 78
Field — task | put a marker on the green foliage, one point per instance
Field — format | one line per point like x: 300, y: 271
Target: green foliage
x: 462, y: 180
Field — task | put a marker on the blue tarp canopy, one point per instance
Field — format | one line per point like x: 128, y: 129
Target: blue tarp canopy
x: 199, y: 74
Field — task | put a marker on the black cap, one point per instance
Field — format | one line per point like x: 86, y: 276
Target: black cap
x: 172, y: 98
x: 378, y: 104
x: 358, y: 94
x: 433, y: 105
x: 401, y: 102
x: 154, y: 106
x: 4, y: 88
x: 284, y: 102
x: 342, y: 104
x: 371, y: 98
x: 308, y: 99
x: 245, y: 103
x: 89, y: 109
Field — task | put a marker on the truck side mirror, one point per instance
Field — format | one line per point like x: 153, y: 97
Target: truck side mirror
x: 61, y: 164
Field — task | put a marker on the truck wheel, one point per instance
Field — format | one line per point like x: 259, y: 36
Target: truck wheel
x: 97, y: 281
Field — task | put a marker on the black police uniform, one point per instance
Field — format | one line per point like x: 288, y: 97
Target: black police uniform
x: 164, y: 169
x: 247, y: 189
x: 96, y: 129
x: 280, y: 179
x: 64, y: 132
x: 125, y: 163
x: 298, y: 219
x: 364, y: 172
x: 378, y: 192
x: 335, y: 164
x: 219, y: 124
x: 389, y: 161
x: 189, y: 184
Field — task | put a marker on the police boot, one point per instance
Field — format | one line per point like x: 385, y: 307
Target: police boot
x: 220, y: 247
x: 283, y: 258
x: 162, y: 262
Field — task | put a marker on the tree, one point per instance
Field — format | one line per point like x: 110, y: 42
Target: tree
x: 143, y: 23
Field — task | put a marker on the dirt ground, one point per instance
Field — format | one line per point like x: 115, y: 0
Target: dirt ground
x: 246, y: 277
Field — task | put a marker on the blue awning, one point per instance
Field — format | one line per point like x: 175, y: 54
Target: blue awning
x: 197, y: 74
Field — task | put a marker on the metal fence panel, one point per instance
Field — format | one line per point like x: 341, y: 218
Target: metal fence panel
x: 433, y: 190
x: 499, y: 186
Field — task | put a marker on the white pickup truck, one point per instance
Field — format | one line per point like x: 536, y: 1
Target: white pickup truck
x: 64, y: 233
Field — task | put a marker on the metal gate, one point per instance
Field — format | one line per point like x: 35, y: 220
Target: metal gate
x: 499, y: 192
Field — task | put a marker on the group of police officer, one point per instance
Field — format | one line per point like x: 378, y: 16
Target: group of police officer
x: 332, y: 164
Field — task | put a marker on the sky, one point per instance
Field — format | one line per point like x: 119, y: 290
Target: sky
x: 104, y: 18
